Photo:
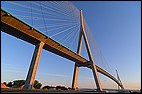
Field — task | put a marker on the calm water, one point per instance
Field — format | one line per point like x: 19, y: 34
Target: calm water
x: 111, y: 90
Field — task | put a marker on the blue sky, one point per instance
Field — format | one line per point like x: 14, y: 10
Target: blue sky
x: 116, y: 27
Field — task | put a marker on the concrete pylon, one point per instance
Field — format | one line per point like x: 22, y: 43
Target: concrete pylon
x: 33, y: 66
x: 76, y: 67
x: 94, y: 70
x: 122, y: 87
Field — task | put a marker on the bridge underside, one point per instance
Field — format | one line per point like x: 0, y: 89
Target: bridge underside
x: 19, y: 29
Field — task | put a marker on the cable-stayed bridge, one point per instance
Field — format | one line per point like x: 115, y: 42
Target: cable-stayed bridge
x: 58, y: 27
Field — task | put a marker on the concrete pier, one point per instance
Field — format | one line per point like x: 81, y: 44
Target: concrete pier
x: 75, y: 77
x: 33, y: 67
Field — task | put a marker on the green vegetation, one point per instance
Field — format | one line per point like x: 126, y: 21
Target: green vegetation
x: 37, y: 85
x: 56, y: 88
x: 18, y: 83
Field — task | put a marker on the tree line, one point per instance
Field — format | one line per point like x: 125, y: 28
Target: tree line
x: 37, y: 85
x: 18, y: 83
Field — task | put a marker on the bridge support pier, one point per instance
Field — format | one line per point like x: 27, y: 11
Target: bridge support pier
x: 33, y: 66
x: 75, y: 77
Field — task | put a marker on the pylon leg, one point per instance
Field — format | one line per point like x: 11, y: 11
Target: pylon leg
x: 75, y: 77
x: 76, y: 67
x: 33, y: 66
x: 96, y: 77
x: 95, y: 73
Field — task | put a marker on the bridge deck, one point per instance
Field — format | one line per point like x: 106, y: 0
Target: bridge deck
x: 17, y: 28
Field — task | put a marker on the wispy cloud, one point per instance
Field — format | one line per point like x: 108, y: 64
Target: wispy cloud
x: 15, y: 71
x: 53, y: 74
x: 8, y: 70
x: 7, y: 64
x: 10, y: 67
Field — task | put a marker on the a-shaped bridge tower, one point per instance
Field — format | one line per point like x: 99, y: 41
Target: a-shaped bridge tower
x: 91, y: 60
